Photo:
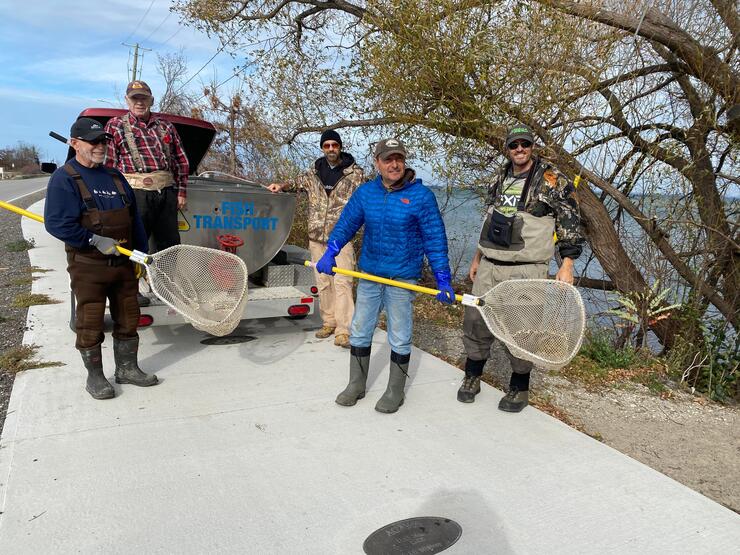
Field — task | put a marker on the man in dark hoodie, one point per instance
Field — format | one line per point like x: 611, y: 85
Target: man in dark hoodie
x: 329, y: 184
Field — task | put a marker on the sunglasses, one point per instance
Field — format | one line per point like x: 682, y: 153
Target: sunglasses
x: 99, y: 140
x: 515, y: 145
x: 330, y: 145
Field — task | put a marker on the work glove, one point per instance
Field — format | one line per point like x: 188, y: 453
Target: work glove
x: 446, y: 293
x: 106, y: 245
x: 328, y: 260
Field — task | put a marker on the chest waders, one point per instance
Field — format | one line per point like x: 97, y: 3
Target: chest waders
x: 526, y: 256
x: 96, y: 277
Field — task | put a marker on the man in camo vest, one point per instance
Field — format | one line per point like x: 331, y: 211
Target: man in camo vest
x: 329, y: 184
x: 527, y: 202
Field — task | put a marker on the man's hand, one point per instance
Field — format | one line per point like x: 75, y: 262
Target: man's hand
x: 182, y: 203
x: 565, y: 273
x: 328, y: 260
x: 106, y: 245
x: 276, y: 187
x: 446, y: 293
x: 474, y: 266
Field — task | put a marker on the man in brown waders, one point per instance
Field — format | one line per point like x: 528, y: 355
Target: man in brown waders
x: 149, y: 153
x: 528, y: 201
x: 92, y: 209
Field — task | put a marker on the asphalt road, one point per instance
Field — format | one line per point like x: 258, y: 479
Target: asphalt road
x: 12, y: 189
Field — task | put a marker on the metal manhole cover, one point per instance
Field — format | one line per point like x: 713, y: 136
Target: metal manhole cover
x: 227, y: 340
x: 425, y: 534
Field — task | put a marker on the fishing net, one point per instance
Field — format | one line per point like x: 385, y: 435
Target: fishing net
x: 206, y: 286
x: 539, y: 320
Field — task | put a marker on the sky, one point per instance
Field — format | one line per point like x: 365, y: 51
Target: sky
x: 60, y: 57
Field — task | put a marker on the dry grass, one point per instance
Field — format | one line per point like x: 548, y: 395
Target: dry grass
x: 646, y: 370
x: 22, y: 281
x: 21, y: 358
x: 25, y: 300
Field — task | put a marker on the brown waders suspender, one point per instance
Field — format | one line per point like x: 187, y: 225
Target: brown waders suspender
x: 128, y: 133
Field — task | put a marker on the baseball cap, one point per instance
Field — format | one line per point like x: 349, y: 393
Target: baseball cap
x: 138, y: 88
x: 88, y: 129
x: 386, y: 147
x: 519, y: 132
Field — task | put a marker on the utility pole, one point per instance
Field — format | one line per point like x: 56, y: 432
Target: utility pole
x: 136, y: 48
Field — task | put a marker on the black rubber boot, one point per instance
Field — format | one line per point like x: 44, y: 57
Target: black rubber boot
x: 359, y: 362
x: 394, y: 396
x: 471, y: 383
x: 97, y: 385
x: 127, y: 367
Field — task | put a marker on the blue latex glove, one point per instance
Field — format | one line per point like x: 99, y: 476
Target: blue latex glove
x: 446, y: 293
x: 328, y: 260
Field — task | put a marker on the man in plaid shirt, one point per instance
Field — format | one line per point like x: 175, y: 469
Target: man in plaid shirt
x: 149, y: 153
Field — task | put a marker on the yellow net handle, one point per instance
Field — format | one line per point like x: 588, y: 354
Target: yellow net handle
x: 465, y: 299
x: 135, y: 256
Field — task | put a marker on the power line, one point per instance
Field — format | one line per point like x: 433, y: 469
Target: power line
x: 173, y: 35
x: 226, y: 42
x: 158, y: 26
x: 140, y: 21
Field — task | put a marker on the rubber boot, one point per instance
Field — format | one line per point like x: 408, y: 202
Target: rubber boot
x: 126, y: 351
x: 394, y: 396
x: 97, y: 385
x: 359, y: 362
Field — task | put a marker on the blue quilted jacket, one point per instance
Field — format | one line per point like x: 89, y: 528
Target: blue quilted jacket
x: 401, y: 226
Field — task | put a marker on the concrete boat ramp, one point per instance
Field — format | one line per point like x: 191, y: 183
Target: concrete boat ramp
x: 241, y: 449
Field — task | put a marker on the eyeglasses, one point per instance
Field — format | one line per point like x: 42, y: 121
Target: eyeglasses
x: 330, y: 146
x: 517, y: 144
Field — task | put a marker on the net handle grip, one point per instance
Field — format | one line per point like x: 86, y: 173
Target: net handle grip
x: 135, y: 256
x: 393, y: 282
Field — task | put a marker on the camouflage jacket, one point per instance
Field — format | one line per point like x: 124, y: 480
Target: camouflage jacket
x: 550, y: 193
x: 324, y: 209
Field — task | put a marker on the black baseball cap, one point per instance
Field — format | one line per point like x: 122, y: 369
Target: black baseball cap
x: 88, y: 129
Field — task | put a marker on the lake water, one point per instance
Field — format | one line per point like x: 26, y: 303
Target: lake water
x: 462, y: 211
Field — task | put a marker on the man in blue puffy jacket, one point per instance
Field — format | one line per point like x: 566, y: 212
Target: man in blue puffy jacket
x: 402, y: 225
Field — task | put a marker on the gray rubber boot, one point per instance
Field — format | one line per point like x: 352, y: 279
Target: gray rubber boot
x: 359, y: 362
x: 394, y: 396
x: 97, y: 385
x: 127, y: 367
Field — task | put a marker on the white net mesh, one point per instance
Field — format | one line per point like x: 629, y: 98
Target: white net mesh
x: 539, y: 320
x: 207, y: 286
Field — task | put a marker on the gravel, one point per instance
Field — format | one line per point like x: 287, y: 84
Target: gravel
x: 14, y: 271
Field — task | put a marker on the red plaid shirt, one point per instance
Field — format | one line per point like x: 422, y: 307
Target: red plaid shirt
x: 169, y: 156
